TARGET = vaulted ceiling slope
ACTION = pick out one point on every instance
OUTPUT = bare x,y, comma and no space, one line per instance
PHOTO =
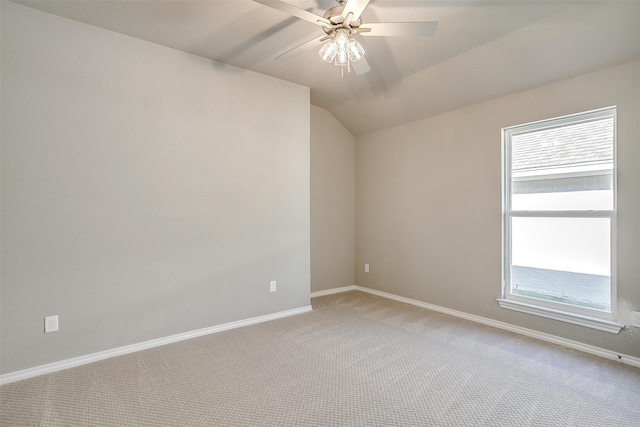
482,49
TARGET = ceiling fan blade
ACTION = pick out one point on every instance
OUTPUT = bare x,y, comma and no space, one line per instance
356,7
361,66
315,42
423,29
296,11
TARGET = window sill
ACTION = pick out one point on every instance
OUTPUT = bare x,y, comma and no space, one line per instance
563,316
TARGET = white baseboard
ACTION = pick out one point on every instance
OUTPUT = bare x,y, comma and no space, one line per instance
90,358
586,348
333,291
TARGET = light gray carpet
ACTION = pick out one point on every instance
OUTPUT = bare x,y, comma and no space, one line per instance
357,359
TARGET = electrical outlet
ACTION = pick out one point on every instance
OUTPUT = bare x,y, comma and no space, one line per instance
272,286
635,318
50,324
366,268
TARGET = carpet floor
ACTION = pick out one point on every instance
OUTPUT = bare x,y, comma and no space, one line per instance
355,360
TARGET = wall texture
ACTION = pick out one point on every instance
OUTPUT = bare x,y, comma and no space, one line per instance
145,191
333,203
428,202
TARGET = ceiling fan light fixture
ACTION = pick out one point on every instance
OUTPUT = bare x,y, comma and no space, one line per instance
341,49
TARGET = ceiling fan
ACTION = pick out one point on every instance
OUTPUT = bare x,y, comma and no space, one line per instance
341,25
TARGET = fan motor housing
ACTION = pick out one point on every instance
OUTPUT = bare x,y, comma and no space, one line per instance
335,16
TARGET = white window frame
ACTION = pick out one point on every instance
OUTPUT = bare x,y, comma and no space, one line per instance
582,316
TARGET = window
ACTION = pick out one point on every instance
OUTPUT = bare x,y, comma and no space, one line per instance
559,198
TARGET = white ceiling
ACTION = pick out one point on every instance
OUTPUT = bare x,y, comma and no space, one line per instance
482,49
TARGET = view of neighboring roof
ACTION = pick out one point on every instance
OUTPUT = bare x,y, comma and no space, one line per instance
582,144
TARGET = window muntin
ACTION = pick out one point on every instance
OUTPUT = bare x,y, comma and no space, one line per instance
559,213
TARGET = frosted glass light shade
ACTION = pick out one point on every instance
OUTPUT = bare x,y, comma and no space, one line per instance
355,50
328,51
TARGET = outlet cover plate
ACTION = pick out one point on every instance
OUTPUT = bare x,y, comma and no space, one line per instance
272,286
635,319
50,324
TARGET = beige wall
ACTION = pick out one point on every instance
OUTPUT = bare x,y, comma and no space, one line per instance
333,202
429,206
145,191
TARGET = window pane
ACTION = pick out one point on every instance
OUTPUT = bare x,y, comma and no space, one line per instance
563,168
562,259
